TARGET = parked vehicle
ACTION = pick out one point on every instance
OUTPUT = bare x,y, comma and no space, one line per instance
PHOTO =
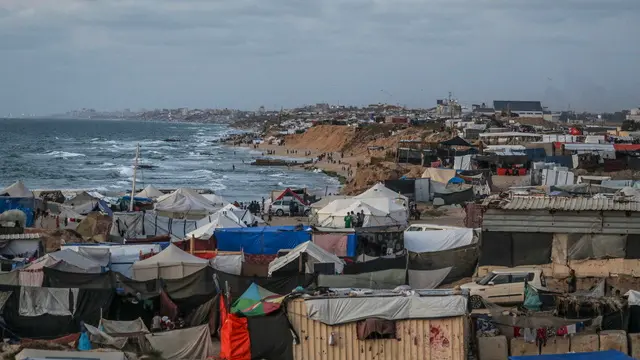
282,208
504,286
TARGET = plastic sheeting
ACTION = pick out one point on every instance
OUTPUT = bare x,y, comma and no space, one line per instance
230,264
265,240
192,343
11,278
29,354
335,311
278,285
36,301
592,246
515,249
427,279
438,240
149,224
462,262
55,278
123,327
315,254
383,279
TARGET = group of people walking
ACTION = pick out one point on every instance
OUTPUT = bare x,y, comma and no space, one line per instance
354,220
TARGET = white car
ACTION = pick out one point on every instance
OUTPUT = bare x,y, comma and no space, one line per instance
505,286
281,207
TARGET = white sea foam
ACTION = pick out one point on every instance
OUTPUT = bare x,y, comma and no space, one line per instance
63,154
126,171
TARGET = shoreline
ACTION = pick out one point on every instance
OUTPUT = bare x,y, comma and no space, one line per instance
344,169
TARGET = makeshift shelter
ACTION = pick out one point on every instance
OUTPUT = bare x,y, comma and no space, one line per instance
377,211
290,193
594,355
149,192
314,255
456,141
63,260
16,190
191,343
185,204
136,225
265,240
36,354
216,221
439,175
255,336
170,263
380,191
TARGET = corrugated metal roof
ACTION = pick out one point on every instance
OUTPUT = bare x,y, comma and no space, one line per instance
562,203
21,236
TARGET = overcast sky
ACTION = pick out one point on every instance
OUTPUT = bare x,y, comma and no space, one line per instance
58,55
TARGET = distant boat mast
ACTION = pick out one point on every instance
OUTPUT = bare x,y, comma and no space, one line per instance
135,168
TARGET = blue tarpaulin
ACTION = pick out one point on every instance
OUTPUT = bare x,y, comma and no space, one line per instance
536,154
596,355
264,240
566,161
26,205
352,243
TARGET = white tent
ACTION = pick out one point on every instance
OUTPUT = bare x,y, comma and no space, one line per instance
216,200
170,263
379,190
150,192
17,190
315,254
216,221
185,203
377,211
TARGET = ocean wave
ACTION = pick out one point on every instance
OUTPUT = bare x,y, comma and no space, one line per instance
63,154
126,171
280,175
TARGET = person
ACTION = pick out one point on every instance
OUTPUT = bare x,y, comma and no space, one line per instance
572,281
347,221
156,323
233,167
263,203
360,218
270,213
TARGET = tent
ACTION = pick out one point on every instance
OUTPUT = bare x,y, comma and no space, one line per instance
380,191
34,354
439,175
149,192
256,301
67,260
594,355
170,263
16,190
431,238
185,203
217,220
191,343
315,254
377,211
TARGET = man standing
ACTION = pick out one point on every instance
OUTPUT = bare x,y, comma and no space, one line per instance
347,221
572,282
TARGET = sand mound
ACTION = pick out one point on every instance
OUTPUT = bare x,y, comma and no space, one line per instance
328,138
369,175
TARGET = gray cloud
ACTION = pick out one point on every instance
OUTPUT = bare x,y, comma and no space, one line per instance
246,53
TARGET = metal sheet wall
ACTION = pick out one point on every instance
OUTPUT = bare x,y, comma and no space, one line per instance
437,339
564,222
423,190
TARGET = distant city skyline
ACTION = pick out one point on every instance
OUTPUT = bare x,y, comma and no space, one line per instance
69,54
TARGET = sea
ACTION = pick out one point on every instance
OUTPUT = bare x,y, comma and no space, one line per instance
99,155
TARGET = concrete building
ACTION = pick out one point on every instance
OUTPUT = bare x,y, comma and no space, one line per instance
634,115
522,108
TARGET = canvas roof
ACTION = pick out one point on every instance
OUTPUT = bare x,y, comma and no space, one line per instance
172,255
439,175
17,190
327,200
216,221
312,250
379,190
185,200
150,192
66,260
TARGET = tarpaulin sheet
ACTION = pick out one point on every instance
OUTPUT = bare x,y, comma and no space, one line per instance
398,262
261,240
146,289
438,240
235,343
462,261
144,224
427,279
496,249
97,336
596,355
61,279
198,283
192,343
278,285
375,242
531,248
28,354
98,254
597,246
87,308
231,264
334,243
123,327
335,311
383,279
10,278
456,197
270,337
35,301
206,313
